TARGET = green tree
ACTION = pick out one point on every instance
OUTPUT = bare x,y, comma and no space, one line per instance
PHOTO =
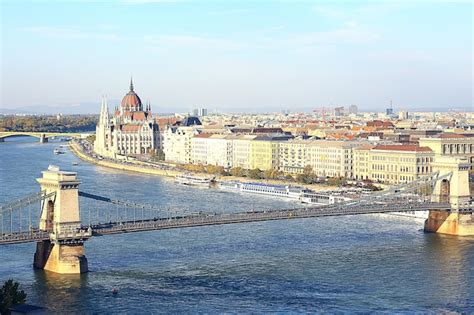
10,295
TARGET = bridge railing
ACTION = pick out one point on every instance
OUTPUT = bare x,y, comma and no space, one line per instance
252,216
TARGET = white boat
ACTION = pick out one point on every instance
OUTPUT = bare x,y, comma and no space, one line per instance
313,197
230,185
420,215
296,193
193,180
58,151
271,190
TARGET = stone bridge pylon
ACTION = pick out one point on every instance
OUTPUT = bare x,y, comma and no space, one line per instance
60,217
456,191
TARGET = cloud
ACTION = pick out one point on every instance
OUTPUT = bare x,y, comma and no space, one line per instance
329,11
190,41
69,33
132,2
228,11
350,33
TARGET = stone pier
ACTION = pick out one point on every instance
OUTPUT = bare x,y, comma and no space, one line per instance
64,252
456,191
43,138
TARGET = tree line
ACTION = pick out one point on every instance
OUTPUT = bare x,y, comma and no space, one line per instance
70,123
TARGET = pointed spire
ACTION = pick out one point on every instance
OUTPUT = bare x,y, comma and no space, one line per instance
131,84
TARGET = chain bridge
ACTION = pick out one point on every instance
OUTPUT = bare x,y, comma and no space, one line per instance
60,218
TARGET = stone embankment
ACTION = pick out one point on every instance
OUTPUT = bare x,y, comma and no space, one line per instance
75,148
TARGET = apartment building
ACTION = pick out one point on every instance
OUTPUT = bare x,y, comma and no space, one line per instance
242,151
392,163
211,149
332,158
177,140
326,157
265,151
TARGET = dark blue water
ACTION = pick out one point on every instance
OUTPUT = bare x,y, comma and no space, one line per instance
351,264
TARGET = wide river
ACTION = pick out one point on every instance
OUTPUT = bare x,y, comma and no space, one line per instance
367,263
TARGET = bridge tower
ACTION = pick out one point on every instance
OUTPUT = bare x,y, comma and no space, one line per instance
456,191
64,252
43,138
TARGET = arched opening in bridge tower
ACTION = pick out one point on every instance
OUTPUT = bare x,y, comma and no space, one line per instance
445,191
49,216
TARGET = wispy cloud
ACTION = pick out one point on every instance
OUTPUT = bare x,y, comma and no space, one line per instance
190,41
229,11
69,33
131,2
350,33
363,10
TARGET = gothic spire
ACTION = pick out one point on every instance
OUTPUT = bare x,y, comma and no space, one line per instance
131,84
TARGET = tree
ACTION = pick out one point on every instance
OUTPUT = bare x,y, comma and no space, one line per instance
308,170
237,171
10,296
91,139
271,174
159,155
308,176
215,169
255,173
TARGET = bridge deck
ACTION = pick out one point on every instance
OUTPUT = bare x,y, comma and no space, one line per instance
206,219
233,218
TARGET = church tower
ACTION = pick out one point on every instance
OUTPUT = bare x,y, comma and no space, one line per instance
102,129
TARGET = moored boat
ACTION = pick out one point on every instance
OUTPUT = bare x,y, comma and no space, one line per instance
193,180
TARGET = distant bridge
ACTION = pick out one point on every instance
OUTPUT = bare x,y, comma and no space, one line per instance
42,136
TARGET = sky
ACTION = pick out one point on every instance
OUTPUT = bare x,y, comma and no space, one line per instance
237,56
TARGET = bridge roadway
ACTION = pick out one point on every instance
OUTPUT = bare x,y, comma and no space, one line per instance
38,134
205,219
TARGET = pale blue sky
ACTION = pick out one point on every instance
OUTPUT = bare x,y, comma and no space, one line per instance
238,55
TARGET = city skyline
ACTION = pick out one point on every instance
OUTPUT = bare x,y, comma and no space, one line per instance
238,57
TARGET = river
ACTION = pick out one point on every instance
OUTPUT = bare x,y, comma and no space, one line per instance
369,263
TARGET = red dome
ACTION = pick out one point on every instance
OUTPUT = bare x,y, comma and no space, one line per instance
132,100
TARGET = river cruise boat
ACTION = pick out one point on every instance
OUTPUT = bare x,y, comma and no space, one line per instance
272,190
58,151
296,193
312,197
193,180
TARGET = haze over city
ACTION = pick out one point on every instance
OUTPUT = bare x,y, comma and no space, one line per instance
236,57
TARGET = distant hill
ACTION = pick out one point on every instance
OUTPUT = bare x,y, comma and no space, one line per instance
81,108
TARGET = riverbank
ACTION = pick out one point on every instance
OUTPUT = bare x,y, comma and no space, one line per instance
74,147
143,168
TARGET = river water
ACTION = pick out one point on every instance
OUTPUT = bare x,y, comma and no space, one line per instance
364,263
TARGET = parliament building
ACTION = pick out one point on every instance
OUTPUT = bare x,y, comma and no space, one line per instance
131,130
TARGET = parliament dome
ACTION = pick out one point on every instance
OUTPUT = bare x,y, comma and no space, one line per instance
131,100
